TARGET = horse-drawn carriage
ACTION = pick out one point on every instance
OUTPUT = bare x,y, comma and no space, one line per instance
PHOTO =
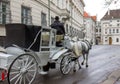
31,49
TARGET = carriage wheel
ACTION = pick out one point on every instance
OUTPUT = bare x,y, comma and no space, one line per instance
65,65
22,70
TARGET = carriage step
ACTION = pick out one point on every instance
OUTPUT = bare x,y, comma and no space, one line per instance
43,72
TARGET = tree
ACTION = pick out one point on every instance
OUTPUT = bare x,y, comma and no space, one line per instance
109,2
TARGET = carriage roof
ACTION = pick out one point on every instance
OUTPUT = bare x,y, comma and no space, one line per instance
22,35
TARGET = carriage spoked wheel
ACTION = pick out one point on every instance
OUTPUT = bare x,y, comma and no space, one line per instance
65,65
22,70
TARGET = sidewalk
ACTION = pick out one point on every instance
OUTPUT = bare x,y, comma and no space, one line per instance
112,78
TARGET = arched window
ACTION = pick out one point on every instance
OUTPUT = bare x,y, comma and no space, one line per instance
117,39
117,30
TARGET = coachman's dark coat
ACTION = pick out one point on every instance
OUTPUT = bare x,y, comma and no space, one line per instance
59,27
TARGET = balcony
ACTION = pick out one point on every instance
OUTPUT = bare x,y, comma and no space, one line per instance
65,14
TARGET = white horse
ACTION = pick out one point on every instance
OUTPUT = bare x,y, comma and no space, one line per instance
79,47
86,46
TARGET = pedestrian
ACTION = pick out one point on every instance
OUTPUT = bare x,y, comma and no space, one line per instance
60,31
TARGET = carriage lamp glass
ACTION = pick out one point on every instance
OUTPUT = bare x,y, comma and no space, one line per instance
45,37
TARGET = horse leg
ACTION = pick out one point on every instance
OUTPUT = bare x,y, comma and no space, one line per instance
79,64
87,59
76,64
74,68
83,59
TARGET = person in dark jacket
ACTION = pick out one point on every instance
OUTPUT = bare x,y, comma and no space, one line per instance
60,30
58,26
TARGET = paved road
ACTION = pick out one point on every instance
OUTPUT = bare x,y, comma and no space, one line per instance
103,60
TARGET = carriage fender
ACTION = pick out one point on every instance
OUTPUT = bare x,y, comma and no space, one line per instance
59,53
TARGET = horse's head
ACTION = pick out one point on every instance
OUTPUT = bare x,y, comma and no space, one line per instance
89,42
74,39
68,43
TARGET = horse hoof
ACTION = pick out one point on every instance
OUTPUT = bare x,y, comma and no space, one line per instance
86,65
82,63
74,70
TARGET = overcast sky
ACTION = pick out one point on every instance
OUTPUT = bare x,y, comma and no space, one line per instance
97,7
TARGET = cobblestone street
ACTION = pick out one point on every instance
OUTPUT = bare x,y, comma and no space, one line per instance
104,60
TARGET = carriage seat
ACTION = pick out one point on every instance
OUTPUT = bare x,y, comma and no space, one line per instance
59,40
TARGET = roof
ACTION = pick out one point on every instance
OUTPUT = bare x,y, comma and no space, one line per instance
111,14
86,15
94,18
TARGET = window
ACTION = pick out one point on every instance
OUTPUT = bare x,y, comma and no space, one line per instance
117,31
105,25
96,30
26,15
71,29
70,32
43,19
105,40
66,29
4,12
100,30
110,24
105,31
52,20
113,30
45,37
109,31
118,24
117,39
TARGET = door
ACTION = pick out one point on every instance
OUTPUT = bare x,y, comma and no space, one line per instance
110,40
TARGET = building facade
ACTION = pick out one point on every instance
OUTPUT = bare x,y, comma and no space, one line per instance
110,26
90,27
98,32
42,12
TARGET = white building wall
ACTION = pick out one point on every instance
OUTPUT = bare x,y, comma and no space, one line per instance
90,29
2,30
36,9
74,9
15,7
114,40
109,29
